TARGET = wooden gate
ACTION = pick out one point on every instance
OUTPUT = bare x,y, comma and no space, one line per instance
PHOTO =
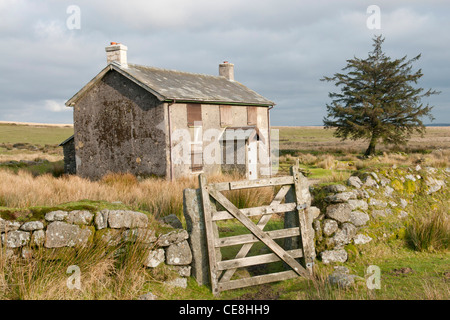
222,271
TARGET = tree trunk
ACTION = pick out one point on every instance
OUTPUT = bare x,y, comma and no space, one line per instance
371,149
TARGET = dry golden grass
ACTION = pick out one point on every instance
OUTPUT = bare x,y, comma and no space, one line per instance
111,273
439,158
156,195
22,190
329,162
322,140
30,156
432,292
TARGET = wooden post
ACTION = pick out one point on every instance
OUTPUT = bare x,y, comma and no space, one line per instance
300,182
209,233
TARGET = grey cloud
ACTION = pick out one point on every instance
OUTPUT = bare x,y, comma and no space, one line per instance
280,48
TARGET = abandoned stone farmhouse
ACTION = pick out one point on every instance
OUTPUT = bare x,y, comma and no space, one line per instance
156,122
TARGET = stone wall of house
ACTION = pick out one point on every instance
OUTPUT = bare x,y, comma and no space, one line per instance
63,229
70,166
119,127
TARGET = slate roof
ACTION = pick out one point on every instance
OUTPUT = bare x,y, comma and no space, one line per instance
172,85
66,141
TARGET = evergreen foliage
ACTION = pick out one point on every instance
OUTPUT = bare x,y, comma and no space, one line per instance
377,100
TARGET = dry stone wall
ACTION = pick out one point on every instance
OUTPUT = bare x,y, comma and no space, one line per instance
76,228
347,210
337,215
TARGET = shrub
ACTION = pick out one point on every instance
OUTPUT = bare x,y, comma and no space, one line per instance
429,232
327,163
307,159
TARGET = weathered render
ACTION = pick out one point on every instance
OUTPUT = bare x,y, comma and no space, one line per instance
132,118
114,130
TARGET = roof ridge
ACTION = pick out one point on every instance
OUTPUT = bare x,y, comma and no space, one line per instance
178,71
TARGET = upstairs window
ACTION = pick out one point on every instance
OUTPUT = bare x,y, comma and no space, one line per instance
194,114
252,116
226,116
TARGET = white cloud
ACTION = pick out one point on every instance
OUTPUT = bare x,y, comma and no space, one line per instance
55,106
53,29
404,22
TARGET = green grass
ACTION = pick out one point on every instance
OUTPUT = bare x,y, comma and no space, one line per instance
36,135
429,279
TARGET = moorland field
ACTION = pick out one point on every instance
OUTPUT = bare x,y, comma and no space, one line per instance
32,181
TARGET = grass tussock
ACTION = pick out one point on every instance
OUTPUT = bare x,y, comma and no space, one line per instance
253,197
105,272
429,232
428,226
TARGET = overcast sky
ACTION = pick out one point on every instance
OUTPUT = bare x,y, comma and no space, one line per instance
280,48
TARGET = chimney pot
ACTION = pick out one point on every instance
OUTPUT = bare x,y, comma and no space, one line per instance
117,52
226,70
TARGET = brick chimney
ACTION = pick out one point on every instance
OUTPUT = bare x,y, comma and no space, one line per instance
226,70
117,52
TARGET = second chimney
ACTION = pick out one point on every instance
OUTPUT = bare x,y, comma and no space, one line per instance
117,52
226,70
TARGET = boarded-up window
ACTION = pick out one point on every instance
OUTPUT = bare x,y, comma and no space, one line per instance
252,116
194,114
226,116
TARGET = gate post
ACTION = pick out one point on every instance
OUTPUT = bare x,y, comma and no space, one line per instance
195,225
210,234
303,200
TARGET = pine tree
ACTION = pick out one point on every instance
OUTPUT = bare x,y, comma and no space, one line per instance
377,100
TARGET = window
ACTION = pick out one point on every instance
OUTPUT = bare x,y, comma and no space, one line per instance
196,157
252,116
194,114
196,148
226,116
